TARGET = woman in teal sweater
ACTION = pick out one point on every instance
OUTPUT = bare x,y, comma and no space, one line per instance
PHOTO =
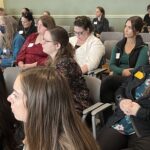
128,54
131,52
122,62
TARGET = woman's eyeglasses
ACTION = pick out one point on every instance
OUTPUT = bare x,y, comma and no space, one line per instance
47,41
78,33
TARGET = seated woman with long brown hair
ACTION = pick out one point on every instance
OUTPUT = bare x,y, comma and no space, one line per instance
61,55
43,101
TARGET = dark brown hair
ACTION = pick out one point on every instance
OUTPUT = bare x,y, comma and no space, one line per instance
102,10
2,9
136,22
52,123
83,22
26,9
148,7
28,16
60,35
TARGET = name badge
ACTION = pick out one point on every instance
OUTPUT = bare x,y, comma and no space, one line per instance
147,82
31,44
20,32
4,50
139,75
95,22
117,55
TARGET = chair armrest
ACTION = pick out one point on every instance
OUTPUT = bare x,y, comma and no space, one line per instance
94,112
96,71
89,109
101,108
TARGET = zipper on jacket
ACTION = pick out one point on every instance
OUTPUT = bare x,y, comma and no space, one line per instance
134,127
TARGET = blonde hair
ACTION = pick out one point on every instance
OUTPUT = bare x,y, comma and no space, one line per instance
11,29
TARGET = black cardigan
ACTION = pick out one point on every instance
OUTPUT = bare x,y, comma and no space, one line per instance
140,122
135,52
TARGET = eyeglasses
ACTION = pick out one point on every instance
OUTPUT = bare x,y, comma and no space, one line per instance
47,41
78,33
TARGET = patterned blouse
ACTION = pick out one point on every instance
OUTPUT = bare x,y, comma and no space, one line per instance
71,70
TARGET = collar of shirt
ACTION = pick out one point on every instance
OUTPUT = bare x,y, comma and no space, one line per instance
99,18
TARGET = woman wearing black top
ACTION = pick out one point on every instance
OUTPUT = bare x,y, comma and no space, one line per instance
27,25
7,141
129,126
100,23
147,18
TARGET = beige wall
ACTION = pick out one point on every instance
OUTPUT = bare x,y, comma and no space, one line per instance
1,3
64,11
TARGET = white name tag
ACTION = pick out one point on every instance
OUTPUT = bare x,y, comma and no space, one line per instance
95,22
20,32
4,50
117,55
147,82
31,44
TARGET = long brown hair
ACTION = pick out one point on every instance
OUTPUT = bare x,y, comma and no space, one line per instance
60,35
136,23
52,123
